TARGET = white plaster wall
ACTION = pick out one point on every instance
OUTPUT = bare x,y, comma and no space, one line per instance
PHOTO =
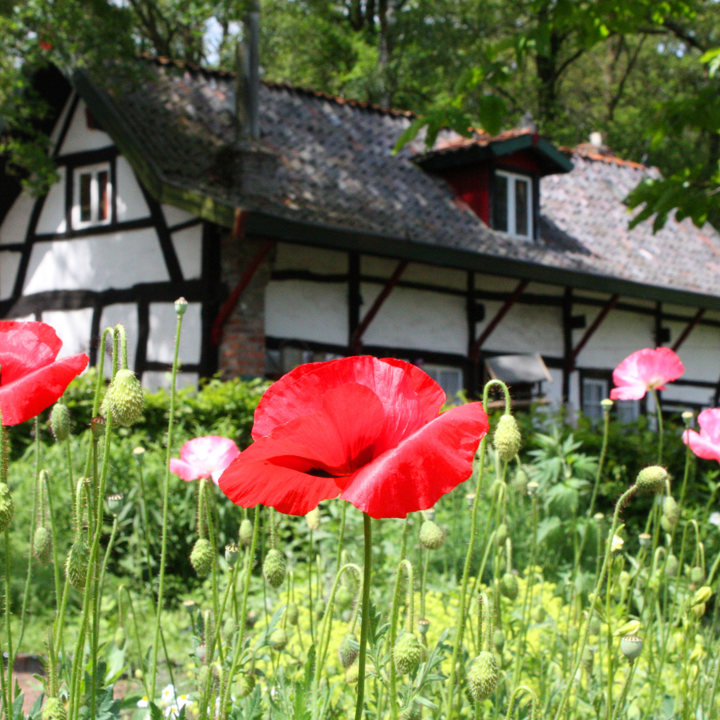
52,217
9,262
118,260
80,137
73,328
153,380
188,247
524,329
123,314
700,352
620,334
175,216
553,390
414,272
301,257
14,227
307,311
131,203
416,319
161,340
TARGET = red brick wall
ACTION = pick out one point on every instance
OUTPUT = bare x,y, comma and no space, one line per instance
242,349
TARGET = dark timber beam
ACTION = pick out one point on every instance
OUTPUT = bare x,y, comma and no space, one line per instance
356,338
499,315
688,329
611,303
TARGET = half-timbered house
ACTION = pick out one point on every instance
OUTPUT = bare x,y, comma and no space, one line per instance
296,233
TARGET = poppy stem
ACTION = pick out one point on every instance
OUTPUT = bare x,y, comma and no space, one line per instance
658,410
365,624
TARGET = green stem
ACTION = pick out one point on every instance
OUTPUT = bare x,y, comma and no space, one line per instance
165,509
661,436
365,619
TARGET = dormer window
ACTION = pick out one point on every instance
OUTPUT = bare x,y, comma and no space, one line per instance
512,204
92,196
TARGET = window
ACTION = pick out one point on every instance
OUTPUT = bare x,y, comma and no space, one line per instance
93,195
595,390
512,204
448,378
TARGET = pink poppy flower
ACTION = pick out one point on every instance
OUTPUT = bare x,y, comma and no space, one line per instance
645,370
364,429
706,443
204,457
31,379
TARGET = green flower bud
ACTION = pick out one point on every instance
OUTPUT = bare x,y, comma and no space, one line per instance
483,676
407,653
652,480
232,552
509,586
123,400
671,511
414,712
499,640
292,613
7,507
702,595
343,597
53,709
278,639
42,544
181,306
533,489
201,652
348,650
587,660
672,566
352,674
274,568
246,684
423,625
645,540
520,480
119,637
631,647
431,535
501,534
60,421
246,533
115,503
539,614
202,556
76,564
697,576
507,438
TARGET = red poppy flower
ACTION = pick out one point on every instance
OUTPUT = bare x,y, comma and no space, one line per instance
30,378
364,429
204,457
645,370
706,443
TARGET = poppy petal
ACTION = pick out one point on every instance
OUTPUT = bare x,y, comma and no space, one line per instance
32,393
422,468
709,422
182,470
628,392
701,446
24,347
409,394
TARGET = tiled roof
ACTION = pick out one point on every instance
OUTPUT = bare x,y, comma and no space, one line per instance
333,166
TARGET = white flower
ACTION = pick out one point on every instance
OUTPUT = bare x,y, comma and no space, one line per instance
715,519
616,544
145,702
167,696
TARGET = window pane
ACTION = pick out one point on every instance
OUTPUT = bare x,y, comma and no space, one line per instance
522,195
103,195
85,197
500,207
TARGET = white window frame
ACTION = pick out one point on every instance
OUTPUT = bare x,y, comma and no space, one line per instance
94,171
512,179
593,409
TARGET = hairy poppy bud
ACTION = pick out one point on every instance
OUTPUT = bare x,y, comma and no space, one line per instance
274,568
119,637
53,709
246,684
313,519
76,564
292,613
431,535
697,576
232,553
60,421
507,438
652,480
6,507
671,566
202,556
246,533
407,653
501,534
499,640
278,639
42,544
348,650
124,401
587,660
509,586
631,647
483,676
671,511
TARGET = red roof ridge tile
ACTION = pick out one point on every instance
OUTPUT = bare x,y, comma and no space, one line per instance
602,156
